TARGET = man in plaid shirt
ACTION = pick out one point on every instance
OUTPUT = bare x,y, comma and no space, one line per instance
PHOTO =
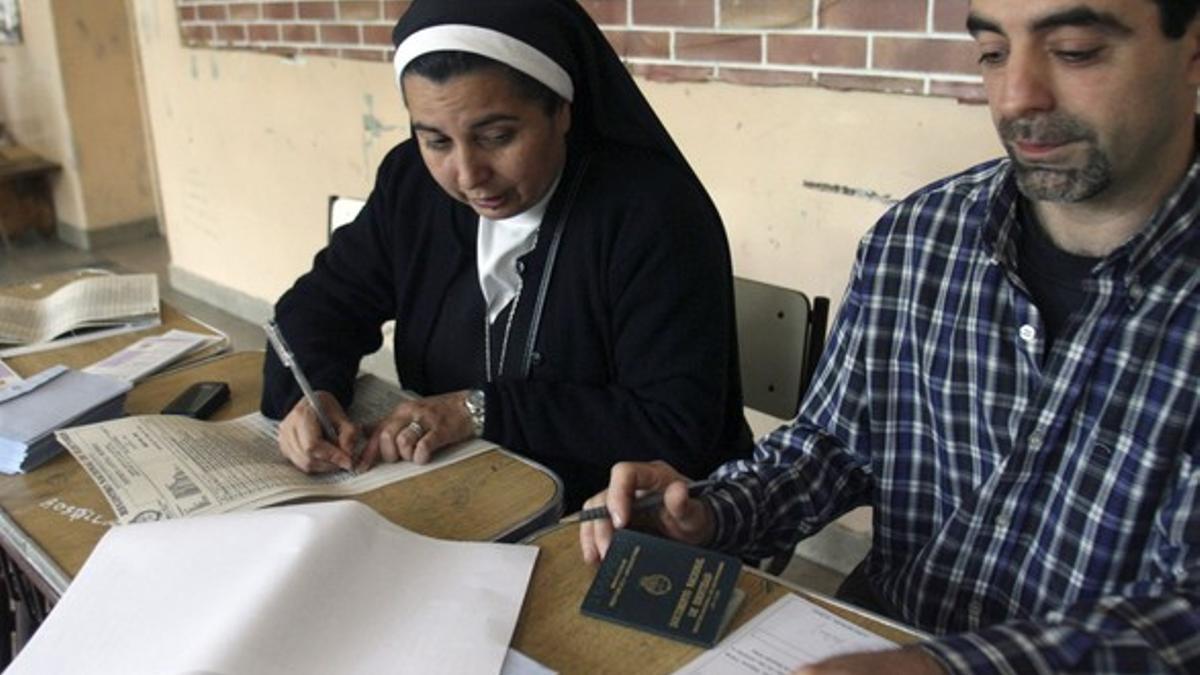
1011,381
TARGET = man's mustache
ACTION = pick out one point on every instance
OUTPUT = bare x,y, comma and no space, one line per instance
1049,129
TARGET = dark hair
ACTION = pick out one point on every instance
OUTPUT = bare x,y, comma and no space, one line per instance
441,66
1176,15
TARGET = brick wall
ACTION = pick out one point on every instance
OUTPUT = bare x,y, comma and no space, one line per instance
901,46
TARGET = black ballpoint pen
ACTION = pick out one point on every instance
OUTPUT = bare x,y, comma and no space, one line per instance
643,503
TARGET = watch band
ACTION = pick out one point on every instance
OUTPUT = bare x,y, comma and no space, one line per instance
476,404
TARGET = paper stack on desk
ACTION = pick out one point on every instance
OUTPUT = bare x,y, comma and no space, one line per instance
87,308
32,409
316,588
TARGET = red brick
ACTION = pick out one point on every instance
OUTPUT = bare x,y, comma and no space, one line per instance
766,14
606,12
891,85
925,55
765,78
377,35
668,73
197,34
360,10
364,54
279,10
211,12
718,47
244,11
264,32
320,51
683,13
874,14
340,33
187,13
640,43
818,50
231,33
316,9
971,93
950,16
392,9
298,33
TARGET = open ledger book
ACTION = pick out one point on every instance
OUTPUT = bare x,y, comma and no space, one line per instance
154,467
87,308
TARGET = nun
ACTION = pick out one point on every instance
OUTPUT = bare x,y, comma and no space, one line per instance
560,279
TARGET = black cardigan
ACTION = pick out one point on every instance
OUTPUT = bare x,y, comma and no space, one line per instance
634,355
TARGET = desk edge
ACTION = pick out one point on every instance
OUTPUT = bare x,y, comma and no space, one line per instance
33,555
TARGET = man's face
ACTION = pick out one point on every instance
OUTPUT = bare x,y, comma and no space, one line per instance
1087,95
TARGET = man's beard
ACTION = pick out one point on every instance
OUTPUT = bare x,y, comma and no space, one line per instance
1057,183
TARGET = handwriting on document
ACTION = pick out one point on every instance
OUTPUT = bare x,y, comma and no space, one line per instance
791,633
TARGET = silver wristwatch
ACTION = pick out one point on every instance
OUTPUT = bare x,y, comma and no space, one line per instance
476,403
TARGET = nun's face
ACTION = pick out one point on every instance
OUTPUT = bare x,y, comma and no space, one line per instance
485,144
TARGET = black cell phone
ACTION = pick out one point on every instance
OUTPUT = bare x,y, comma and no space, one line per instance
199,400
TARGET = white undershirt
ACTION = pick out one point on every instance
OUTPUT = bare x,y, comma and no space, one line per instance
499,244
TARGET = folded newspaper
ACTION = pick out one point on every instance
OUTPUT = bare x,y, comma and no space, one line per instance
155,467
88,308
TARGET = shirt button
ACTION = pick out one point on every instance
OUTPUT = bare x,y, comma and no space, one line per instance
1035,440
975,609
1003,520
520,267
1028,333
536,358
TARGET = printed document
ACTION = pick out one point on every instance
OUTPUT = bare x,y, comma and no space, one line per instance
791,633
329,587
155,353
118,302
154,467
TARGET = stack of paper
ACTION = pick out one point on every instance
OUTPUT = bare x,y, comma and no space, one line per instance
85,309
316,588
31,410
157,353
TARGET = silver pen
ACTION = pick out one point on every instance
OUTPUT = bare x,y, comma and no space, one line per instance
275,337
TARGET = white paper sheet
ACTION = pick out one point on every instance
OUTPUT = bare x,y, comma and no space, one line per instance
154,467
791,633
315,588
88,302
152,354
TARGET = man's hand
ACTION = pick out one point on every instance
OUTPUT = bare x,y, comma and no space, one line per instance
415,430
680,517
301,440
907,661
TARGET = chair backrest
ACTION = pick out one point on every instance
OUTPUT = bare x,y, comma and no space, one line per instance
780,338
342,211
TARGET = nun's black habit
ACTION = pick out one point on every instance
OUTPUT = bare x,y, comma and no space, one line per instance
623,345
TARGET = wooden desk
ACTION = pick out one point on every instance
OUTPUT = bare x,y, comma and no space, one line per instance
86,353
58,509
552,631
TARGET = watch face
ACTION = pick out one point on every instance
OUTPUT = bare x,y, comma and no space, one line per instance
476,400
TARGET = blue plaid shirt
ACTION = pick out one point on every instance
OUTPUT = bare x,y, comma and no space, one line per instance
1036,511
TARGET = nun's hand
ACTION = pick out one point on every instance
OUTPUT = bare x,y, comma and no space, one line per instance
415,430
301,440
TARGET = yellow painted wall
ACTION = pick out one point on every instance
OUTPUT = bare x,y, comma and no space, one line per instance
100,82
33,104
69,92
249,146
